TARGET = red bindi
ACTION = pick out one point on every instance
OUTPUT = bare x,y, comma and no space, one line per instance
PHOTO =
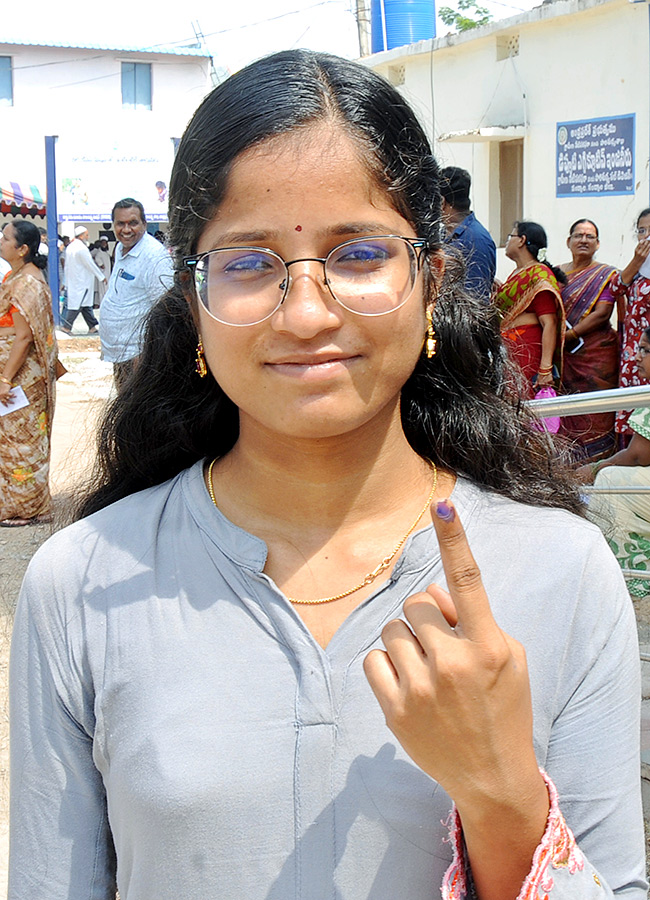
298,227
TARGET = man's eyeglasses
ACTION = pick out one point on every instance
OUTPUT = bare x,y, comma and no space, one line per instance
369,276
581,236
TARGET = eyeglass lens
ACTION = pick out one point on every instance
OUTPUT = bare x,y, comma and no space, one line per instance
642,232
582,236
245,285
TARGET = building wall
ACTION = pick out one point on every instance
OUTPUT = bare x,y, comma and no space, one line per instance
577,59
76,94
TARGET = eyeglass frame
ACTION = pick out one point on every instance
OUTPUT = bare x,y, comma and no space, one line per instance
580,235
642,232
642,351
420,247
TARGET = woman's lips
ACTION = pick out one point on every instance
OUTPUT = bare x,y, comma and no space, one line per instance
303,365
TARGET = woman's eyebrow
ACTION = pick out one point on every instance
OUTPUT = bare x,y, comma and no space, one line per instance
243,238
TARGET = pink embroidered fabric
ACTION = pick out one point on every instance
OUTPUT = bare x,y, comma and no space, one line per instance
556,850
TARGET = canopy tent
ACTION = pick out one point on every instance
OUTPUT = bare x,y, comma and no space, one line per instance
20,200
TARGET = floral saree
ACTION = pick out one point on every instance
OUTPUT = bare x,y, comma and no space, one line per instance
25,433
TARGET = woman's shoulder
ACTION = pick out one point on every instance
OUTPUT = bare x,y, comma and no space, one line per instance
113,538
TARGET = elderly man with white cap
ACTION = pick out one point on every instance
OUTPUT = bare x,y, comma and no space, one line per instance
80,275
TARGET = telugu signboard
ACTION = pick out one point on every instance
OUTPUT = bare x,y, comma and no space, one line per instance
91,177
595,157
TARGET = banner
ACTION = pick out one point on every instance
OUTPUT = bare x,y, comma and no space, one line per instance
595,157
93,175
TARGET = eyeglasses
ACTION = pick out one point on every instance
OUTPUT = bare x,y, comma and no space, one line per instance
582,236
642,351
512,234
642,232
369,276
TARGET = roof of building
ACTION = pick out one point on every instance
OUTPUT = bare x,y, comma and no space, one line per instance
156,48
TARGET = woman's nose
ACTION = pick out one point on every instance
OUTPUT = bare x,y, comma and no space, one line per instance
308,306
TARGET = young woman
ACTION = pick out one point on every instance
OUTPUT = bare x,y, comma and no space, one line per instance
632,287
529,301
590,345
27,360
315,412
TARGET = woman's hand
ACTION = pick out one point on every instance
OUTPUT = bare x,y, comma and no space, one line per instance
455,692
5,390
641,253
543,380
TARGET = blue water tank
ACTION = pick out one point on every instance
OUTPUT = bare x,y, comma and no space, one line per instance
398,22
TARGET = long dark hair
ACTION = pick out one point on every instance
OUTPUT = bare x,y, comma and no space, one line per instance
536,240
28,235
457,408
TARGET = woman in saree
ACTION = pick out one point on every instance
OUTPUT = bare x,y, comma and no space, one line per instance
632,286
27,361
529,301
590,344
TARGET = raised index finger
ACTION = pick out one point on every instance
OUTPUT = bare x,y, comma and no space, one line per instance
464,582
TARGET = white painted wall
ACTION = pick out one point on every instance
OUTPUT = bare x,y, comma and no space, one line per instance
76,93
578,59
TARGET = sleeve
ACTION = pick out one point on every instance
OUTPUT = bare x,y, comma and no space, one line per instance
61,845
593,846
160,274
544,304
90,265
639,421
618,289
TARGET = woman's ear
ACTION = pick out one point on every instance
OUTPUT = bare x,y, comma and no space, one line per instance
186,283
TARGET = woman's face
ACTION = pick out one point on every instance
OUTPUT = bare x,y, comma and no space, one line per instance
513,243
583,242
9,249
643,228
643,358
312,369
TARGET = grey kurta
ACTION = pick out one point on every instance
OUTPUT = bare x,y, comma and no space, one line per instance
160,682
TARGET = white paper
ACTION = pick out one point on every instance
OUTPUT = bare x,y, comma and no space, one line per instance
17,400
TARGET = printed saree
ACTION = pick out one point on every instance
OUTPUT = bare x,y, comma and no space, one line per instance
513,298
25,433
594,367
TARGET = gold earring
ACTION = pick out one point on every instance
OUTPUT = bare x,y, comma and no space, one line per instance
431,341
201,368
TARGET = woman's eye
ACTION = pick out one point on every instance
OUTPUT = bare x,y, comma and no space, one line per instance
362,253
251,263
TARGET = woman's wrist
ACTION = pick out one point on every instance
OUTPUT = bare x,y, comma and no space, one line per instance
5,380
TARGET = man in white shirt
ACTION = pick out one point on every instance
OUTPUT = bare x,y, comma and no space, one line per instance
80,275
142,272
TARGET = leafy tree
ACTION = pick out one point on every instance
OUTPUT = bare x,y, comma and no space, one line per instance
462,22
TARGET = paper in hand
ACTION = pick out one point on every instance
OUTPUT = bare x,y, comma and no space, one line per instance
17,400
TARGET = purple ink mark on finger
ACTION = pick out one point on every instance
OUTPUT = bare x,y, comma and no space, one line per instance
445,511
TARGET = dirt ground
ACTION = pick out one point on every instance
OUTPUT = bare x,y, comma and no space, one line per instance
81,396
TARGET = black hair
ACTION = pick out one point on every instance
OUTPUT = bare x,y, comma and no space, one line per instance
583,222
127,203
28,235
455,184
458,408
642,215
536,240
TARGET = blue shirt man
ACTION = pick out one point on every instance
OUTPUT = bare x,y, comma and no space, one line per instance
466,234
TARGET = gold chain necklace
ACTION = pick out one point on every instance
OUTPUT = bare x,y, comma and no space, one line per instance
381,567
